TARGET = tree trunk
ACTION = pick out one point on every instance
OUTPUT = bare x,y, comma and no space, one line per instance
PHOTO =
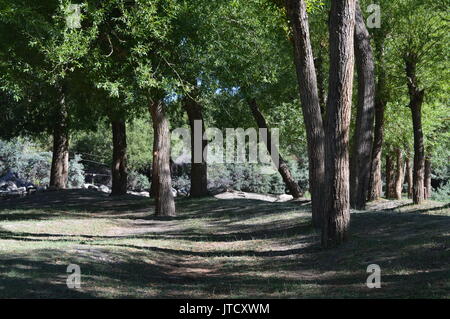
199,169
362,151
409,177
119,166
337,210
428,188
59,171
390,177
307,80
399,175
161,178
415,104
319,65
375,181
154,178
283,168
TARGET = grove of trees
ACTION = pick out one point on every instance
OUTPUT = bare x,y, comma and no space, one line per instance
358,89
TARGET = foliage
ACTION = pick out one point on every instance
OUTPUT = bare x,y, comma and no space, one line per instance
76,172
254,178
32,164
138,182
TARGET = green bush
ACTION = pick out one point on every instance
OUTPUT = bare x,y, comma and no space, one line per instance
442,194
33,165
254,178
76,172
138,182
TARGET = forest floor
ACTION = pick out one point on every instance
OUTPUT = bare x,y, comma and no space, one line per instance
216,248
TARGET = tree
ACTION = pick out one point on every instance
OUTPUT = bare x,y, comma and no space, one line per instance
119,170
399,176
362,151
309,96
337,203
161,177
415,50
48,50
59,171
283,169
199,169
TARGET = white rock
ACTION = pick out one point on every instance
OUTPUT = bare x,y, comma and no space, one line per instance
104,189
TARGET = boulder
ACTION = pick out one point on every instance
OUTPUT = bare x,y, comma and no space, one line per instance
183,192
144,194
104,189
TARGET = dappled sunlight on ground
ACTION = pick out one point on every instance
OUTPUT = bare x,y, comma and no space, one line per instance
216,248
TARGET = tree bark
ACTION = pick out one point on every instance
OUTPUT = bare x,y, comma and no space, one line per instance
283,168
307,80
399,175
161,178
199,168
319,65
154,178
390,177
428,188
337,210
59,171
409,177
362,151
375,181
416,96
119,166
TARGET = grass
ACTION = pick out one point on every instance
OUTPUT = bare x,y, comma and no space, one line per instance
216,249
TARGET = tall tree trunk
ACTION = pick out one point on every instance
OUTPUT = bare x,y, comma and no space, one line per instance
199,169
161,178
319,65
399,174
390,177
154,178
375,181
119,165
283,168
409,176
361,158
337,210
415,104
307,80
428,188
59,171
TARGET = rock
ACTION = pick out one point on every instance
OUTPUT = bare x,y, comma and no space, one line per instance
10,186
183,192
22,189
104,189
144,194
12,177
284,198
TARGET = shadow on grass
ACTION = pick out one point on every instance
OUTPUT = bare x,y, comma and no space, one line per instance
411,248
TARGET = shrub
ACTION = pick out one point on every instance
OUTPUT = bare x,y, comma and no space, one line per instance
30,164
442,194
22,157
76,172
138,182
